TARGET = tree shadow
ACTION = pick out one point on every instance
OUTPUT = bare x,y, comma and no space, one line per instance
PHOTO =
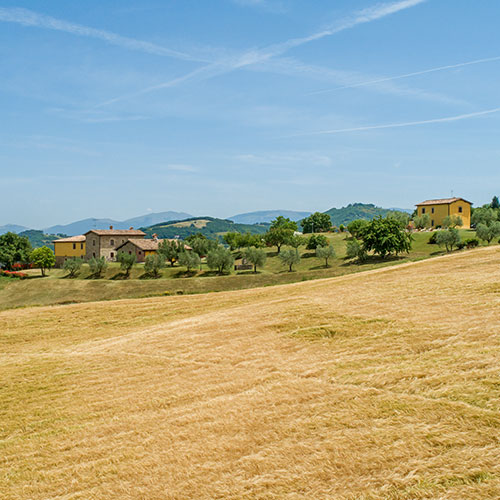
121,275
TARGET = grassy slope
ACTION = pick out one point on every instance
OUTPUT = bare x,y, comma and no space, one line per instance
380,385
55,290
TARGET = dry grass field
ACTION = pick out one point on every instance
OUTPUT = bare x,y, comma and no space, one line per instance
377,385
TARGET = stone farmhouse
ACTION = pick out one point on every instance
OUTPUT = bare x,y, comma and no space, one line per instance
103,242
107,243
439,209
143,248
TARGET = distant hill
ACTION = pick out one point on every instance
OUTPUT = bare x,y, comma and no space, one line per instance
82,226
12,228
40,239
264,216
355,211
209,226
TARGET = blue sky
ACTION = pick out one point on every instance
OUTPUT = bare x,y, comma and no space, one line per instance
117,108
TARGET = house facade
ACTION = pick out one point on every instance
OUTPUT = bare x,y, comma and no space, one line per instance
143,248
69,248
441,208
104,242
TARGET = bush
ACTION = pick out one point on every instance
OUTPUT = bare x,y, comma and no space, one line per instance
317,240
488,233
354,250
73,266
471,243
13,274
422,221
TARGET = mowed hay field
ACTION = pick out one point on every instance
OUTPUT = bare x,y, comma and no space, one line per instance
377,385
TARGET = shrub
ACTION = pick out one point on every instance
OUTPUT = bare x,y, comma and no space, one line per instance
316,240
355,250
471,243
453,221
127,261
422,221
488,233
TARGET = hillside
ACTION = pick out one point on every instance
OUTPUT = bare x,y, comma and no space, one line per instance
266,216
82,226
208,226
325,389
12,228
40,239
355,211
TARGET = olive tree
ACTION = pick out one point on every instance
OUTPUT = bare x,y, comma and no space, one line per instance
451,221
98,266
189,259
325,253
488,233
73,266
220,259
127,261
256,256
449,238
422,221
289,258
154,264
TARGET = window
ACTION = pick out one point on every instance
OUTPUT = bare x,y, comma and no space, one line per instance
123,241
432,222
112,243
81,246
432,209
423,210
93,244
74,246
93,255
460,210
112,254
130,252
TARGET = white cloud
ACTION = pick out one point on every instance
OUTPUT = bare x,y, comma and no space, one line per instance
181,167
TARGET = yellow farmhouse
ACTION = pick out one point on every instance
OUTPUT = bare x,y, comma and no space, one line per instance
439,209
67,248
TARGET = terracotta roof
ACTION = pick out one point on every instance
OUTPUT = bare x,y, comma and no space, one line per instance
71,239
442,201
116,232
149,244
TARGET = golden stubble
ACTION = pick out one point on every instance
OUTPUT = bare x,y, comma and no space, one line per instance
381,385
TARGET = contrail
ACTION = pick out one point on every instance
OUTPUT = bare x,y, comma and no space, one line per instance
407,124
408,75
27,17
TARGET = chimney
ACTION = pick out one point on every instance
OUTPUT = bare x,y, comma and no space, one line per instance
155,237
130,228
110,227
